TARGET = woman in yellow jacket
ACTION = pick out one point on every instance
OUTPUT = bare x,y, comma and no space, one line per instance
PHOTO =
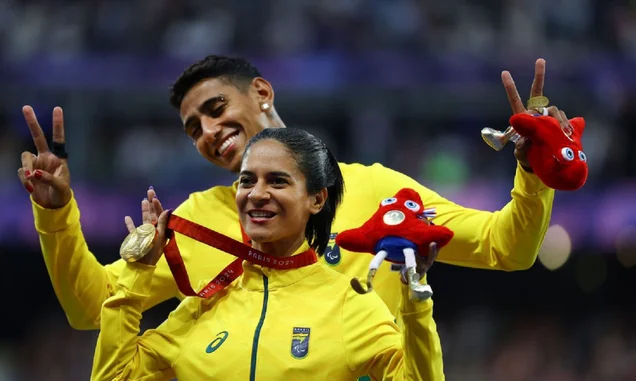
299,324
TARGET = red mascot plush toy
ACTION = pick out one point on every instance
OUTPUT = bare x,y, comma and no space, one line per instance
556,154
398,231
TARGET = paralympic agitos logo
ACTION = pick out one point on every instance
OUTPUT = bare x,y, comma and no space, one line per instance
332,254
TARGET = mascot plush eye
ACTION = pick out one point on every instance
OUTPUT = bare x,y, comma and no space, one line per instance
412,205
567,153
388,201
582,156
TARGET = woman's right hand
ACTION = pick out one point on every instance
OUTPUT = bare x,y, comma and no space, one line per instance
45,176
152,213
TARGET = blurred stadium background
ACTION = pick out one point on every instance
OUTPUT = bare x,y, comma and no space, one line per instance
407,83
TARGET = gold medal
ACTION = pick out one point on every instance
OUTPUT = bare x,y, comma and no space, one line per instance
393,217
138,243
536,103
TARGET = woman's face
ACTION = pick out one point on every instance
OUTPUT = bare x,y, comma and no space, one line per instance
272,198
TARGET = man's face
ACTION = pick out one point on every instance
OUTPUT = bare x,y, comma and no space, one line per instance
220,119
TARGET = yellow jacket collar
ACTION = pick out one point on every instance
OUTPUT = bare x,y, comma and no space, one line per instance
252,278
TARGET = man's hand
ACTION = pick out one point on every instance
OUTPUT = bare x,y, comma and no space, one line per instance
45,175
516,103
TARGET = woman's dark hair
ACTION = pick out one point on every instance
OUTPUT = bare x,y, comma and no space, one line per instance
321,170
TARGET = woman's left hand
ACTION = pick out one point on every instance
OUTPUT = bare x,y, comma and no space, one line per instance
424,263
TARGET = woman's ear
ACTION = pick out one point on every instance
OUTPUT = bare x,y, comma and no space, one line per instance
318,201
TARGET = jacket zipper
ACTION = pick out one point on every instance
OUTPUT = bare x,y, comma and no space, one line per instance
257,333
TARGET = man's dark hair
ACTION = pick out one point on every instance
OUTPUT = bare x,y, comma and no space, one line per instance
238,71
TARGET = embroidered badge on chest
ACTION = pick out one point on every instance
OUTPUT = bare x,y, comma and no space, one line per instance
332,254
300,342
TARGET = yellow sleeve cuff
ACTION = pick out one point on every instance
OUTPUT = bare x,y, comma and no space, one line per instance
49,221
136,280
409,307
527,183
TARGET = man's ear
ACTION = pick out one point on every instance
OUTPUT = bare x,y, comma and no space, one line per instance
264,90
318,201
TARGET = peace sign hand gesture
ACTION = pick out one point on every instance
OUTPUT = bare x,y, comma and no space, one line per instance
516,103
46,175
522,145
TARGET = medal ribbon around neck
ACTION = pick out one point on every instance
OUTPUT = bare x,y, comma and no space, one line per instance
241,250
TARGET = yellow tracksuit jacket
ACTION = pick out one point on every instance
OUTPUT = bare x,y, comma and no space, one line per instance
508,239
301,324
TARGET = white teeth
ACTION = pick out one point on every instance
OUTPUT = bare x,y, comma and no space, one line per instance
261,214
227,143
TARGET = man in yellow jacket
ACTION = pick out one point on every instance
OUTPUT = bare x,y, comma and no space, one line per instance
223,102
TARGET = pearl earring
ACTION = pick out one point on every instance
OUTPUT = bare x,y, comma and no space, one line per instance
265,106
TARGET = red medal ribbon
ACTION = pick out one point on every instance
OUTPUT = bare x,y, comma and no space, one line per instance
242,251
